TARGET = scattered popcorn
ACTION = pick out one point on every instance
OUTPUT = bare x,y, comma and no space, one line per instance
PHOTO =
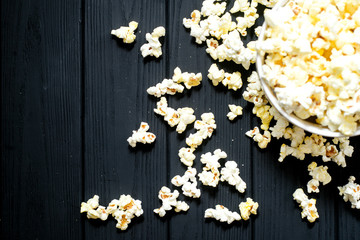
187,156
240,6
263,113
195,19
262,139
351,193
91,204
209,7
247,208
231,174
309,209
169,200
153,47
231,80
188,183
249,18
126,33
128,208
210,175
311,61
319,174
123,210
222,214
254,92
205,128
180,117
234,111
93,209
216,75
167,86
189,79
141,135
258,30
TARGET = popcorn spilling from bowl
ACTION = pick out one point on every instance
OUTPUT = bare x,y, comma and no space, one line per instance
311,54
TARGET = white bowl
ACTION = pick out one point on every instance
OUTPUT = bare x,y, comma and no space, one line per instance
306,125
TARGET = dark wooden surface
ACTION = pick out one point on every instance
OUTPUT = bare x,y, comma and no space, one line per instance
70,96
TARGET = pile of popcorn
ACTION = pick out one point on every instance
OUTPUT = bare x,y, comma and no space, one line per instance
312,52
313,72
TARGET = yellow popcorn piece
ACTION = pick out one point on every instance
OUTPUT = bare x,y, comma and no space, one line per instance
189,79
247,208
210,7
262,112
126,33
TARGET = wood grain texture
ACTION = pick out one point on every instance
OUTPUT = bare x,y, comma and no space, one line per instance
41,141
116,79
71,94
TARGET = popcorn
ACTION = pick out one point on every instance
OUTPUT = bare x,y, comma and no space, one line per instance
215,74
187,156
169,200
247,208
234,111
180,117
231,80
222,214
263,113
210,175
250,16
141,135
91,204
167,86
123,210
189,79
231,174
309,209
351,193
220,26
310,62
240,6
319,174
126,33
209,7
188,183
153,47
93,209
262,139
258,30
254,92
195,19
204,128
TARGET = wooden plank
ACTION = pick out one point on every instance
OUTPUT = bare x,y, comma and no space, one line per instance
229,136
40,106
348,219
116,79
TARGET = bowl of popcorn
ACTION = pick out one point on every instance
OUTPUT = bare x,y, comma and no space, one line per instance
309,64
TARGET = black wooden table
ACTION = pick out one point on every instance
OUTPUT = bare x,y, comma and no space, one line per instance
70,96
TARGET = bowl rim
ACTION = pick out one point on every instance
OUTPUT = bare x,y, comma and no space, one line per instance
269,93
